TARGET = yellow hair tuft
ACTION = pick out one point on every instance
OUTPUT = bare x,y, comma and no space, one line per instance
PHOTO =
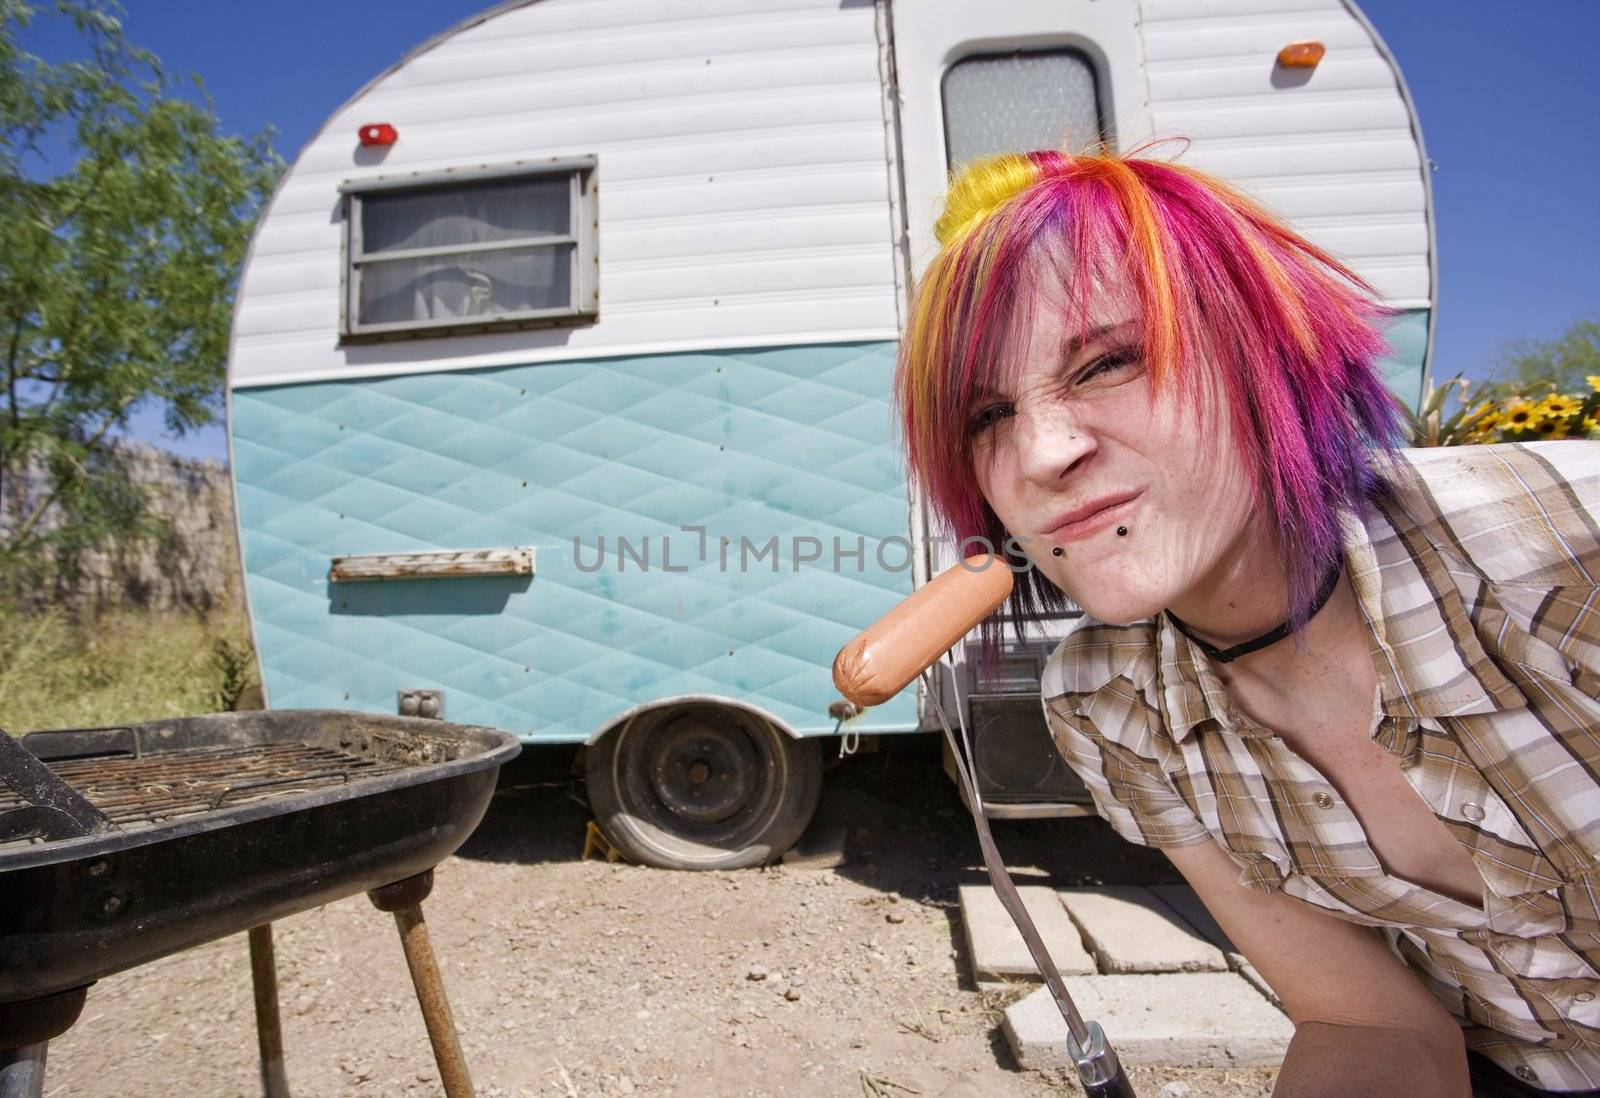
978,189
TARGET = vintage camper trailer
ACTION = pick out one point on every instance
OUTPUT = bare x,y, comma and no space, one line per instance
559,383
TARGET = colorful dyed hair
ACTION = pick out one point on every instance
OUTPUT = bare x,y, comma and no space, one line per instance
1290,328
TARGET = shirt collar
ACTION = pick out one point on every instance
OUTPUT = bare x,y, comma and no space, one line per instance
1429,660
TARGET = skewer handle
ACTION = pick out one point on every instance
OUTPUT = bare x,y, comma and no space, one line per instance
1098,1068
1115,1087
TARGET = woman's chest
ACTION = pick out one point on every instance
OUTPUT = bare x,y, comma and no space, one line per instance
1354,793
1396,821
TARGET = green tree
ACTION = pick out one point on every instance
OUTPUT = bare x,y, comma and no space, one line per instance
117,272
1561,364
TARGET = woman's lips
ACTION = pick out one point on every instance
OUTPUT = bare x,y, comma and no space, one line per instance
1082,528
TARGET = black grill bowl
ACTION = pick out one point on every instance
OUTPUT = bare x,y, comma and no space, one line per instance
74,910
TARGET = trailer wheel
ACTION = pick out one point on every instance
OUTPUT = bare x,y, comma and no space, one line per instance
702,786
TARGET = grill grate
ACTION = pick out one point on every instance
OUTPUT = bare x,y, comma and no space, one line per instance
141,792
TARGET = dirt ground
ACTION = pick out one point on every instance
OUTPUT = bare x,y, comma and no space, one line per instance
571,977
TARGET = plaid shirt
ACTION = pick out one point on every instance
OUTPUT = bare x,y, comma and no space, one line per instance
1479,579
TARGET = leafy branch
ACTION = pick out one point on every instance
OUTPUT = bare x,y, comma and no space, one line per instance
120,266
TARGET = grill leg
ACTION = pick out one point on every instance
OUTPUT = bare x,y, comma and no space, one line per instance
269,1031
22,1071
26,1030
404,899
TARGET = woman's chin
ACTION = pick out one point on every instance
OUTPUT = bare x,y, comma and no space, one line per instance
1125,610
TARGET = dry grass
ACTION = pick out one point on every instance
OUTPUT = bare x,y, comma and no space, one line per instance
59,672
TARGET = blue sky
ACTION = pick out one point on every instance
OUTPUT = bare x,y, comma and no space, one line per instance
1509,104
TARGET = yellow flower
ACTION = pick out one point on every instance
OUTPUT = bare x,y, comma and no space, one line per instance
1558,406
1594,381
1521,416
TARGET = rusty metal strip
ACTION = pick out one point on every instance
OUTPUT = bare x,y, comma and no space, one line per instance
470,562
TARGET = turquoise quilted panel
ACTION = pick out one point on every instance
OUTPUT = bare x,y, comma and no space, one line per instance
788,443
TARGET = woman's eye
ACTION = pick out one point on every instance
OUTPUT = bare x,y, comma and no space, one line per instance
986,417
1108,363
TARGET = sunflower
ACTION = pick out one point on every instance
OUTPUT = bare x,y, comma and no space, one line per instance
1557,406
1521,416
1594,381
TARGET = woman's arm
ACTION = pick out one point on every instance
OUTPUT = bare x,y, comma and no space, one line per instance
1364,1024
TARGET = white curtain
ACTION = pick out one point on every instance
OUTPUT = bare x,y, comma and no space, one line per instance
466,284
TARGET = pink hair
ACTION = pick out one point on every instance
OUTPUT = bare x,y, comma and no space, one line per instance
1291,329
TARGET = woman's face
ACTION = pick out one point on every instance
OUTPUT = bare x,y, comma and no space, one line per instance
1077,442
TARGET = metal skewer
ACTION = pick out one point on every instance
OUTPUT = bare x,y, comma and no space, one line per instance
1098,1068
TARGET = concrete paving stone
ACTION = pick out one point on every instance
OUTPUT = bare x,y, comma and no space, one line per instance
1183,900
995,944
1194,1019
1244,968
1130,930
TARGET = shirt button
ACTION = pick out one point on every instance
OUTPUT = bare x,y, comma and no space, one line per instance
1584,996
1472,811
1322,800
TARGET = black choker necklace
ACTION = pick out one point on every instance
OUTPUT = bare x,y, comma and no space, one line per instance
1272,636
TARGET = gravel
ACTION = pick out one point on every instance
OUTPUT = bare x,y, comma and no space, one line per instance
571,977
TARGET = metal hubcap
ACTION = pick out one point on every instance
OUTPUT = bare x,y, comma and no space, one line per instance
703,767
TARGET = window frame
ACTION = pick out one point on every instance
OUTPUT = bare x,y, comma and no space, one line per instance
583,235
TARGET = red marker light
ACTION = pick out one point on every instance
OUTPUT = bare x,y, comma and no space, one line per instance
379,133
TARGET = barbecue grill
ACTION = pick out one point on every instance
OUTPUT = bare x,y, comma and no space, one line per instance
122,845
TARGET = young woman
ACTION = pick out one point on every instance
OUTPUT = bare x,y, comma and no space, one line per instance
1351,690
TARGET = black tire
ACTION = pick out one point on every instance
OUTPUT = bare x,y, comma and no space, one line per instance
702,786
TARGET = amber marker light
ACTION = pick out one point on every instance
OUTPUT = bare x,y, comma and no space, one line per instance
1302,55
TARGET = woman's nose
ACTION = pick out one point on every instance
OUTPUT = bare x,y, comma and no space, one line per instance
1050,441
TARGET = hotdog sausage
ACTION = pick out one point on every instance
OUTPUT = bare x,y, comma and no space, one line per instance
896,648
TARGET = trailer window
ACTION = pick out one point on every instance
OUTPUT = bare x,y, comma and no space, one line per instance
1019,101
470,251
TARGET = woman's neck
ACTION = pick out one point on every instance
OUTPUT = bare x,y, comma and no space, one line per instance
1247,593
1243,595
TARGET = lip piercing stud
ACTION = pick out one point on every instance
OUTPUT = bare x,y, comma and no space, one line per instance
1122,531
1056,552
